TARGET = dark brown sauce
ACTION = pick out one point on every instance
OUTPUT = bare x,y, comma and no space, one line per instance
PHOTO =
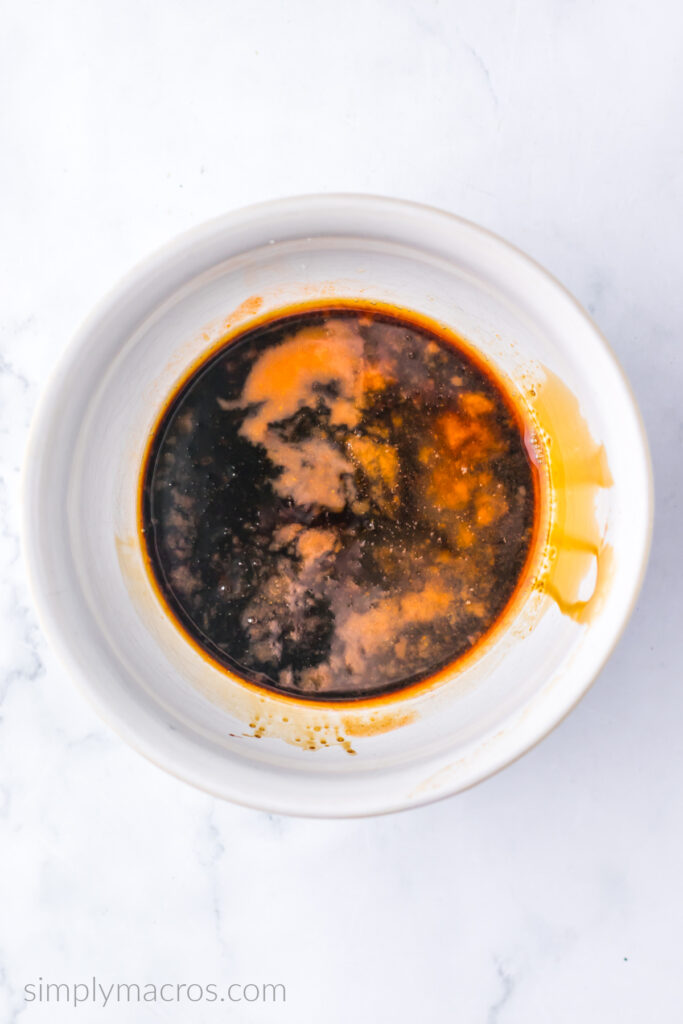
338,503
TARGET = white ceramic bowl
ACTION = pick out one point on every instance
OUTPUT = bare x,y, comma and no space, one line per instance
95,598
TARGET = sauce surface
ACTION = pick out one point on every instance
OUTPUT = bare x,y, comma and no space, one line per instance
338,503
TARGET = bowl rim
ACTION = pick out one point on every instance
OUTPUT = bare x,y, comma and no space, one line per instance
45,601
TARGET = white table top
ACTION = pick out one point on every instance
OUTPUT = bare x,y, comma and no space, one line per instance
549,893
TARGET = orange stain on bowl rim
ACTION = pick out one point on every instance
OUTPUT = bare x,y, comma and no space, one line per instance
578,474
247,309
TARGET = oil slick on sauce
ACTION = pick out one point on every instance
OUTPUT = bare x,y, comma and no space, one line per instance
339,504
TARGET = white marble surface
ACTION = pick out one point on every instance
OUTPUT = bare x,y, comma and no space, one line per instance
551,892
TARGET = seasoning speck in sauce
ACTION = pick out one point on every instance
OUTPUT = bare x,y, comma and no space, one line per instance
338,503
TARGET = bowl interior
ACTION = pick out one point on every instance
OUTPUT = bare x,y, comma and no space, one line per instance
82,506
